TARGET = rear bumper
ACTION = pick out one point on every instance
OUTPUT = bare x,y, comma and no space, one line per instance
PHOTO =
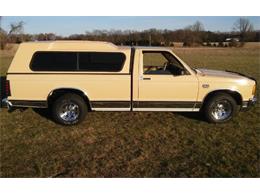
7,104
248,104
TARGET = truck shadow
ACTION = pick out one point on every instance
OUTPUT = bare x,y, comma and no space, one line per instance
44,112
192,115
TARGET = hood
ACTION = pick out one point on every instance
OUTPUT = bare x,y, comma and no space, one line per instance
220,73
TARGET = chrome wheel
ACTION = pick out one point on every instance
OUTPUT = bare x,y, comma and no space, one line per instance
69,112
221,110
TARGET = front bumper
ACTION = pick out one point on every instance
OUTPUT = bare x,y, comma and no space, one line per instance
248,104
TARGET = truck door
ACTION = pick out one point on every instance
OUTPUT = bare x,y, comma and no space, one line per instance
165,84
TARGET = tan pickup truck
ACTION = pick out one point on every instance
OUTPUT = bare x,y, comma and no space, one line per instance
74,77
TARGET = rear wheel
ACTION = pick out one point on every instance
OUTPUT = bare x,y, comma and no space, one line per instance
69,109
220,108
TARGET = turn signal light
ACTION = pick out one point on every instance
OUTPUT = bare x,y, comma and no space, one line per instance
254,90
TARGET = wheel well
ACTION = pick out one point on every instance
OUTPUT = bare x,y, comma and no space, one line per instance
237,96
55,94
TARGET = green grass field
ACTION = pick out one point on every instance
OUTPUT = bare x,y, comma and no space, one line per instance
144,144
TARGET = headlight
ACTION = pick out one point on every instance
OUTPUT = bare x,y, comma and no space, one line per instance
254,89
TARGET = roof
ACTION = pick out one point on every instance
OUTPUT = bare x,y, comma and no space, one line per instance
82,45
72,45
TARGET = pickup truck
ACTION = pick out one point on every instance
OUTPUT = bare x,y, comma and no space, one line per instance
74,77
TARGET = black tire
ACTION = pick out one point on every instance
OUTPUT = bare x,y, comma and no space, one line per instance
75,109
220,108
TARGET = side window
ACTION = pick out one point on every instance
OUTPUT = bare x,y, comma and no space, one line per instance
162,63
78,61
101,61
154,63
54,61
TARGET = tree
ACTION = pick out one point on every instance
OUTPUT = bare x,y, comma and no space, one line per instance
3,35
13,35
244,27
197,27
193,34
16,28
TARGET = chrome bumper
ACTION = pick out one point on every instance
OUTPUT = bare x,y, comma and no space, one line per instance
248,104
253,100
7,103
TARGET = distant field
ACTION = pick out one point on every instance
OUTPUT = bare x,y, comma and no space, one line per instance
255,45
144,144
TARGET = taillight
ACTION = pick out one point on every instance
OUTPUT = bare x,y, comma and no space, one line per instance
7,88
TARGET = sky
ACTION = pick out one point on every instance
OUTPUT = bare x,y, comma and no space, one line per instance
67,25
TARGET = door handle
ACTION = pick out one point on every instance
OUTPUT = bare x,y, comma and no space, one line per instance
146,78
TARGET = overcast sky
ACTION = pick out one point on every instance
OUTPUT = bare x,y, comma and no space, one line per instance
77,25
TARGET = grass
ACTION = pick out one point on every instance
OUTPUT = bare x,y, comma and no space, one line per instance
137,144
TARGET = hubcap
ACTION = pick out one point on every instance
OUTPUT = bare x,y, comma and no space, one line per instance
69,112
221,110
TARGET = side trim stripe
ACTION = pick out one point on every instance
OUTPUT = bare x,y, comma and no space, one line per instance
110,104
122,105
29,103
166,104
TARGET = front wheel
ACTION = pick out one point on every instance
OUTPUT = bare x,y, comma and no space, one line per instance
220,108
69,109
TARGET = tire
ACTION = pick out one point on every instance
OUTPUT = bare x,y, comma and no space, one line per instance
220,108
69,109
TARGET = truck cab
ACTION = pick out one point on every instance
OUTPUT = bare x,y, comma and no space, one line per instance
163,82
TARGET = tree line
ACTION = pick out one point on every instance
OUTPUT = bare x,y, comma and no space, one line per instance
193,35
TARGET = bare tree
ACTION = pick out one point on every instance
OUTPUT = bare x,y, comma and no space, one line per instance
243,26
15,33
193,34
196,27
16,28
